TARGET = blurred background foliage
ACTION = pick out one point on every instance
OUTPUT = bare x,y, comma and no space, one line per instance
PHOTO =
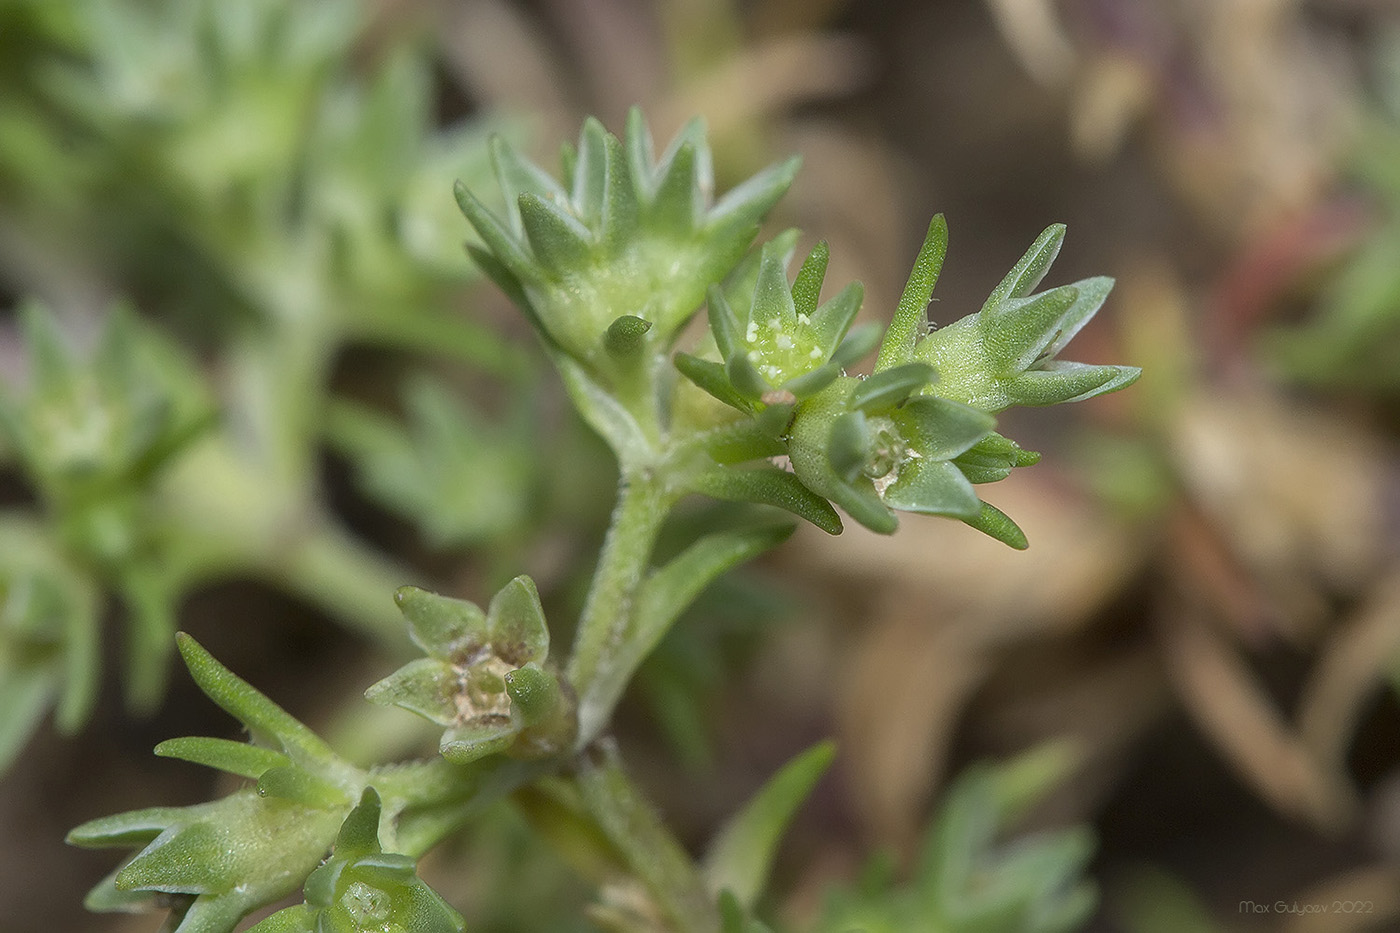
1208,618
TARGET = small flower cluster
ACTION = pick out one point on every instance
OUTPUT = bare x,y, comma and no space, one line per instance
483,678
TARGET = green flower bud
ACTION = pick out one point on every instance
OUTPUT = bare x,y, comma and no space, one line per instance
778,345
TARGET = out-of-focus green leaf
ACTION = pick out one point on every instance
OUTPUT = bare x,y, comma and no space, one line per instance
741,855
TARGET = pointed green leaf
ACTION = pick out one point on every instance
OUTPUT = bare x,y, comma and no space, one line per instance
807,287
193,860
604,413
560,243
769,486
909,318
568,162
1092,294
669,590
590,173
677,204
993,458
932,487
359,834
724,323
664,595
939,428
239,758
386,869
297,785
506,249
741,210
860,500
831,321
992,521
516,176
218,914
507,282
1029,269
742,278
741,856
425,686
105,898
641,160
856,345
475,740
683,181
711,377
442,626
889,387
772,297
126,830
1016,333
745,377
849,444
621,209
1061,381
518,630
810,383
742,441
267,721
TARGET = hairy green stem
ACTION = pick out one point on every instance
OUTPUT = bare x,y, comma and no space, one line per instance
652,853
607,621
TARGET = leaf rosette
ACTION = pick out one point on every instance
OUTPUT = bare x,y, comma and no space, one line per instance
620,254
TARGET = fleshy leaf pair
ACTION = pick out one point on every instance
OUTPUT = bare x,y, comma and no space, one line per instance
619,255
215,862
1005,354
483,678
362,889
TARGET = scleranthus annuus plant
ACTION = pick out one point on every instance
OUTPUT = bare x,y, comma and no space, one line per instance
609,265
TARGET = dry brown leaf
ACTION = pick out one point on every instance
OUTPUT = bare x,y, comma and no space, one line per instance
770,78
1109,97
1354,664
900,698
1363,899
1229,706
1033,30
501,57
1102,706
1293,490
